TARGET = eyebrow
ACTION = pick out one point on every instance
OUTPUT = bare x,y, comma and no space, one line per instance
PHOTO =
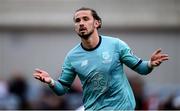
81,17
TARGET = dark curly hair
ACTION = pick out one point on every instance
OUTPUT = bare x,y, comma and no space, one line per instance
94,14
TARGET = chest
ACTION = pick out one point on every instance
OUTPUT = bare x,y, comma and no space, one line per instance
99,61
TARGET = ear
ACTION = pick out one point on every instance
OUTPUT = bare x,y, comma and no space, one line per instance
97,23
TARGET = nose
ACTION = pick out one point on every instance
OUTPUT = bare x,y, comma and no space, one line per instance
81,23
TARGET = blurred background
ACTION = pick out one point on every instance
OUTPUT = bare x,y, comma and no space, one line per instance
39,33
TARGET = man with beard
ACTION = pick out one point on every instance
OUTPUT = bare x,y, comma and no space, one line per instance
98,61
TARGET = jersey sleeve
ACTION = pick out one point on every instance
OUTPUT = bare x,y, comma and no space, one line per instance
132,61
63,84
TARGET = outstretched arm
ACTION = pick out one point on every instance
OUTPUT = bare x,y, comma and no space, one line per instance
44,77
157,58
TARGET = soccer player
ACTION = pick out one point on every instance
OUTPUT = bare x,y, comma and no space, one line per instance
98,62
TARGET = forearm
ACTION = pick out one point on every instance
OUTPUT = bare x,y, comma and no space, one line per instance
143,68
58,88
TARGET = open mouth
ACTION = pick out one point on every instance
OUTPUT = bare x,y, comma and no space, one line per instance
82,29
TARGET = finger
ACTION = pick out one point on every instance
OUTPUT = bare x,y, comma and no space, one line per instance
164,55
157,51
37,74
38,70
37,77
42,79
164,58
153,63
157,63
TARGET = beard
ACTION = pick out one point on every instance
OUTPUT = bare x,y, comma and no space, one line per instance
85,35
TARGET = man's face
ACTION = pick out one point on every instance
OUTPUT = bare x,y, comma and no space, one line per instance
84,23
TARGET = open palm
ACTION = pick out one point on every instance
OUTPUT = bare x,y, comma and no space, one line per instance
42,76
157,58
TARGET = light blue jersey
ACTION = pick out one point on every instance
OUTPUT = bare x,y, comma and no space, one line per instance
105,84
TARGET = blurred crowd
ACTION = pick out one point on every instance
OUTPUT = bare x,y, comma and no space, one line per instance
161,100
18,93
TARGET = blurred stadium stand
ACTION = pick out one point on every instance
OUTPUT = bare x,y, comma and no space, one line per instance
39,33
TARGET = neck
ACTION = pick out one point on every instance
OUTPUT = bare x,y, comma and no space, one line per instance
91,42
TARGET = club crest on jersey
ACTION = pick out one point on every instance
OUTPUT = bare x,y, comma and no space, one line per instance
106,57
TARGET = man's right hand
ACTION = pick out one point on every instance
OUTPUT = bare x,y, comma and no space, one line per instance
42,76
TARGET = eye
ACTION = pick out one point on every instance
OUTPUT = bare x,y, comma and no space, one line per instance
77,20
85,18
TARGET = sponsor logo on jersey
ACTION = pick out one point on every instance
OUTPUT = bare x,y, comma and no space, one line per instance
84,63
98,83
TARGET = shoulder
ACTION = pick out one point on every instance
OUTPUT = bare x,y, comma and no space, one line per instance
109,38
73,51
114,40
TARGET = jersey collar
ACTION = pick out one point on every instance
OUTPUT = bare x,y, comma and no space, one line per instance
100,39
